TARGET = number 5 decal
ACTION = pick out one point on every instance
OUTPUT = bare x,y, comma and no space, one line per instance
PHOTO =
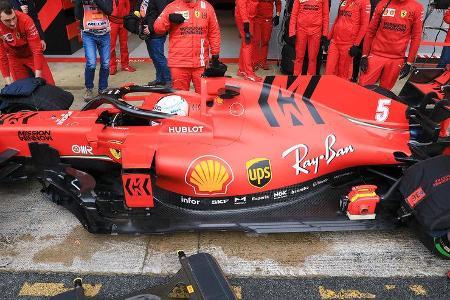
382,110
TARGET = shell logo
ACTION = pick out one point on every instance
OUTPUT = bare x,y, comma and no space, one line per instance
209,175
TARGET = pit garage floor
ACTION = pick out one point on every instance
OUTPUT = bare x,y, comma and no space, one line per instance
43,248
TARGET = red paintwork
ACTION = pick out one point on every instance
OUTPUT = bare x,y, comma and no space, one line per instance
235,132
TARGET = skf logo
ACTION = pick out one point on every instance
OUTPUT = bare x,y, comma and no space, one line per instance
259,172
389,12
403,13
209,175
115,153
138,190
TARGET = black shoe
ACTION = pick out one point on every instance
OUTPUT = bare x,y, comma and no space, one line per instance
156,83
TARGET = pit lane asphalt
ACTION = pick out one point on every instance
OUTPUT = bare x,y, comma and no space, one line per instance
38,236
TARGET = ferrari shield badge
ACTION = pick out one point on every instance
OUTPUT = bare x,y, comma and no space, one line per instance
259,172
209,175
115,153
403,13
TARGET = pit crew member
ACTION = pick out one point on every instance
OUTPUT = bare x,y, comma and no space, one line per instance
346,34
245,13
121,8
263,30
309,24
29,8
193,30
20,49
395,24
95,27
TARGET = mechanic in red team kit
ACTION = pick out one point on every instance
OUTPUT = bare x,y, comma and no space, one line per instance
263,30
309,24
346,34
245,13
193,30
20,49
394,24
121,8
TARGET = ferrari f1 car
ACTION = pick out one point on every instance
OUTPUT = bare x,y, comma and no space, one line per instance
291,154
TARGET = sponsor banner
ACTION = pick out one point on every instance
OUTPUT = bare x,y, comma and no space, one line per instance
259,172
291,193
77,149
35,136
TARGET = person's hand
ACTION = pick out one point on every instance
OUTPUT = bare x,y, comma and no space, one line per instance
38,73
405,70
146,30
276,20
247,32
176,18
24,9
39,80
8,80
354,51
44,45
364,64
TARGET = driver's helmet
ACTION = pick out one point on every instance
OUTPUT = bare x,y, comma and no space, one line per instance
172,104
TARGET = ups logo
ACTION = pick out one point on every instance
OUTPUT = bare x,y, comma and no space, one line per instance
259,172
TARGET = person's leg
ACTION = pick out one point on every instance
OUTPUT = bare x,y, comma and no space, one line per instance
149,44
160,61
256,43
313,51
164,67
196,79
245,59
332,59
390,72
123,41
17,67
345,68
113,60
375,67
445,57
181,78
103,44
90,53
265,39
300,47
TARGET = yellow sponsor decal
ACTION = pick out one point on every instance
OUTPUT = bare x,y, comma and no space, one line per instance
259,172
209,175
190,289
115,153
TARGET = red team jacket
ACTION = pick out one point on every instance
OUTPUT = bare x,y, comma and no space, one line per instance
400,23
190,42
121,8
265,8
351,23
309,16
21,42
245,10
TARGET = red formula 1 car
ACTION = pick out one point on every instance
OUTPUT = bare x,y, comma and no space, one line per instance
291,154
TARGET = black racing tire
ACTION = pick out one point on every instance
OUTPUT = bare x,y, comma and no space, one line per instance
439,246
44,98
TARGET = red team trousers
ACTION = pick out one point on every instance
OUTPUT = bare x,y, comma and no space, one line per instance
118,30
18,67
383,68
182,78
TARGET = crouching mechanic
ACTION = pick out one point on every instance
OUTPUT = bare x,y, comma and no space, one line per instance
394,24
346,34
193,31
20,50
